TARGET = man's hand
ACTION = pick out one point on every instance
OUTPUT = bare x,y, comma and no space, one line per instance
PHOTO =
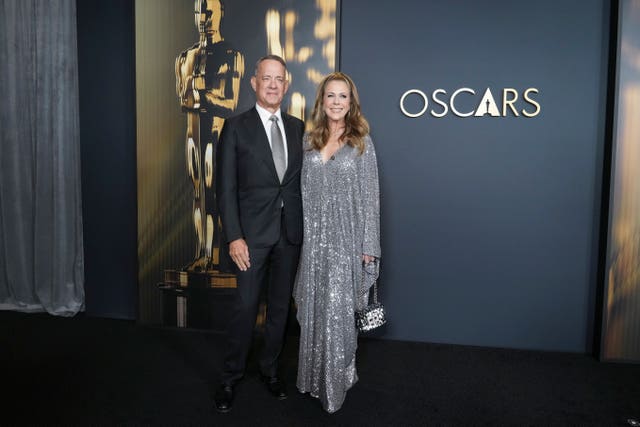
239,252
367,258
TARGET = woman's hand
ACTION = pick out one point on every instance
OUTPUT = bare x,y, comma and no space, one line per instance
367,258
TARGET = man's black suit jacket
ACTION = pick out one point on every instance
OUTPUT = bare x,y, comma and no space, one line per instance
249,194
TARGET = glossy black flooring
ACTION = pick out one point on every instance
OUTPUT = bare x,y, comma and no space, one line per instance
89,371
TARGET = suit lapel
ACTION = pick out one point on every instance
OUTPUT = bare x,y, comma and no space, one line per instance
262,148
294,151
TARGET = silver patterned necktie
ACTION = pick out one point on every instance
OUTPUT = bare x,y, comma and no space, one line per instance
277,147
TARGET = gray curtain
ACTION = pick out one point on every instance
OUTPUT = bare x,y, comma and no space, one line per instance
41,252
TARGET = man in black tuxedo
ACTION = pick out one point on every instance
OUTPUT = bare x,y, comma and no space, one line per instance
259,158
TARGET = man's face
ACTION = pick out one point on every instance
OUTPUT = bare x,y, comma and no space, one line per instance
270,84
208,16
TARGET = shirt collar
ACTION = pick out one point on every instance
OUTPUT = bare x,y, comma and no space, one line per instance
265,115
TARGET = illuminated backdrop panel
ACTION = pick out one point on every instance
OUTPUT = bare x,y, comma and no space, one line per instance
621,323
193,67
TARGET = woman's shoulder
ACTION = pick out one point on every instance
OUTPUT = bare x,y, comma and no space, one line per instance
368,143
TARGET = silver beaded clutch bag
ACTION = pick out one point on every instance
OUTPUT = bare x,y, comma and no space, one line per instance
373,315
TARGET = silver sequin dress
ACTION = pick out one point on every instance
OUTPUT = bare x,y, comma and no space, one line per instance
340,200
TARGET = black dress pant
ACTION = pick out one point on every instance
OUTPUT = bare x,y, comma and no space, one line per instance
274,267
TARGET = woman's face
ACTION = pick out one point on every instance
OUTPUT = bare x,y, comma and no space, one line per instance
336,100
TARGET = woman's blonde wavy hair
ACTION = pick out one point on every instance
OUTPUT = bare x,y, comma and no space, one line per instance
356,126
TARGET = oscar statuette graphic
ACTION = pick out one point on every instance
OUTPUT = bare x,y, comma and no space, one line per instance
208,77
189,80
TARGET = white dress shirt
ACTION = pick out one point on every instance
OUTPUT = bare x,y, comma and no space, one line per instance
264,117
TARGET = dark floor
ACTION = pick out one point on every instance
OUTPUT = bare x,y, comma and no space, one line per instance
88,371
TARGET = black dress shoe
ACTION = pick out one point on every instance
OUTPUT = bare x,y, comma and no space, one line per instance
223,399
275,387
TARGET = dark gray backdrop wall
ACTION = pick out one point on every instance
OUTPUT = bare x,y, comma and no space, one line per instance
108,151
490,224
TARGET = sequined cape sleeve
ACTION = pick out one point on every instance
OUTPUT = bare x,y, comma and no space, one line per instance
370,194
370,190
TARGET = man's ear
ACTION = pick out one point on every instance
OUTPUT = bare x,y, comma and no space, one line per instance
253,83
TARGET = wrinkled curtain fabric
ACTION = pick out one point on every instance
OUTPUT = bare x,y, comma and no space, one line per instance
41,251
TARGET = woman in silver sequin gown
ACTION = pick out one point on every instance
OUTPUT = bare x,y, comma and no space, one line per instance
341,247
